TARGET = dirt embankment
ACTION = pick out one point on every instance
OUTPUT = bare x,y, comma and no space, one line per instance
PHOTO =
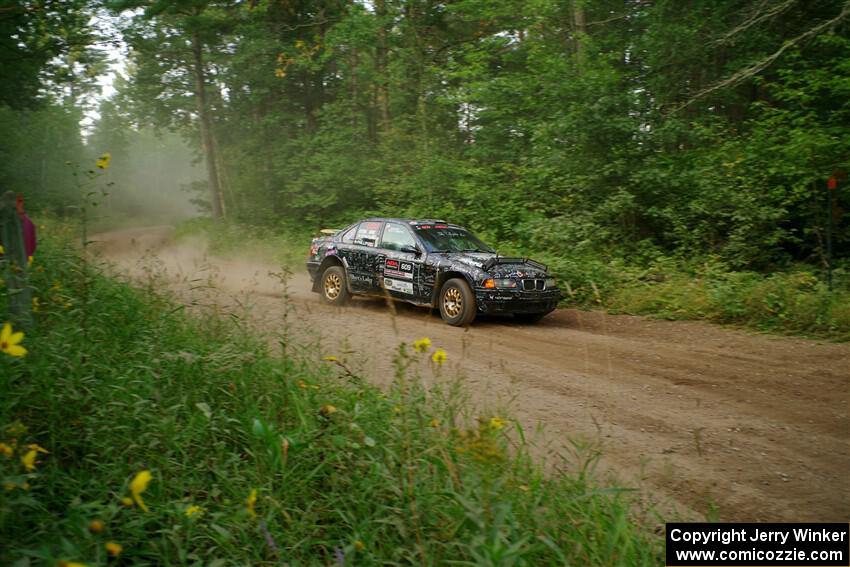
695,416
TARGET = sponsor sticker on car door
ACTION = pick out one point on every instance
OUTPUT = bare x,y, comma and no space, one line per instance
400,286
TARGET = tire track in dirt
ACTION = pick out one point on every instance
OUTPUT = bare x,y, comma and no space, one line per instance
693,415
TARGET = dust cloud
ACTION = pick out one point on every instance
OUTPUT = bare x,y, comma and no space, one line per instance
154,179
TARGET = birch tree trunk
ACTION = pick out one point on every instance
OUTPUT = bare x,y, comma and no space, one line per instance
207,141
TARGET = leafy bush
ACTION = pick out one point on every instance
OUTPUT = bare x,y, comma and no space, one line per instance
791,302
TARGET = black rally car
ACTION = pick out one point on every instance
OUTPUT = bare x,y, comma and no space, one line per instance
429,262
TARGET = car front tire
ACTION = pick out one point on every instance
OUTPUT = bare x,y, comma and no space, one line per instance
333,289
457,303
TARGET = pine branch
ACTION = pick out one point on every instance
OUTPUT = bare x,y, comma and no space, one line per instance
752,70
757,17
608,20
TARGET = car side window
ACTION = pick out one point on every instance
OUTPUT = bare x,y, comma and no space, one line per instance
367,233
348,237
396,236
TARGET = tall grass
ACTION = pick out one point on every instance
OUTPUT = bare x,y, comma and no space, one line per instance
794,302
259,458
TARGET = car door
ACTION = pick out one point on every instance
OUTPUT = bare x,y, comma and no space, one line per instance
362,258
399,266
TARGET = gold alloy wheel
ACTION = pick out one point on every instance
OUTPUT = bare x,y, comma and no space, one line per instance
453,302
333,286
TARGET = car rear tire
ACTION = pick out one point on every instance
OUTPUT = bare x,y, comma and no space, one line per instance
529,317
457,303
334,289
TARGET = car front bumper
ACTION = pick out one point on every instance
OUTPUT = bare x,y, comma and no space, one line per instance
516,301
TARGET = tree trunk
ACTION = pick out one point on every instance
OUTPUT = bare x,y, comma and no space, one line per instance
580,30
381,65
207,141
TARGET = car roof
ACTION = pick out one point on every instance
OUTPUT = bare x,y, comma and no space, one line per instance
413,222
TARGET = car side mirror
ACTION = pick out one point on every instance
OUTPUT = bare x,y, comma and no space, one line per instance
410,249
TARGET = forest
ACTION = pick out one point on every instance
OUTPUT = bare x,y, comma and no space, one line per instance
624,133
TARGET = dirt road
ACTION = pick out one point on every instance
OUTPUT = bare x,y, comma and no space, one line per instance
695,416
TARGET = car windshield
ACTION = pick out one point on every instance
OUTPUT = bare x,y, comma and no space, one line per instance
442,238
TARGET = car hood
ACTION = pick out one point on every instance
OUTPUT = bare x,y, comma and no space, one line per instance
499,266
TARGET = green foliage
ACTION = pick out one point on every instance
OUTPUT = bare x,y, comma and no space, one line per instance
118,381
34,147
46,52
793,302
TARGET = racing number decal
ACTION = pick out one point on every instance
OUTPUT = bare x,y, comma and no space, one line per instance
398,269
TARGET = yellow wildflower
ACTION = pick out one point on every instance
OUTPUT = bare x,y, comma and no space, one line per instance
9,341
70,564
96,527
496,423
29,261
29,459
439,356
6,450
194,510
279,73
114,549
252,500
330,358
2,250
359,545
103,161
127,501
422,345
299,44
327,410
434,422
139,485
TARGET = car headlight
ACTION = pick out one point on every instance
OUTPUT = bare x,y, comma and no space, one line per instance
501,283
550,282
